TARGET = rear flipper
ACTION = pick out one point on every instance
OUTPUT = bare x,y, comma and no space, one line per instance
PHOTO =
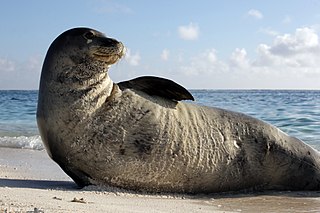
296,165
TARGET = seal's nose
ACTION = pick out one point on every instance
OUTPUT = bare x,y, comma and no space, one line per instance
110,42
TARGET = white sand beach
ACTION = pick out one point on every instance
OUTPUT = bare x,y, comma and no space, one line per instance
31,182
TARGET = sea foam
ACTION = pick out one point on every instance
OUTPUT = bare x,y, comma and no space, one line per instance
24,142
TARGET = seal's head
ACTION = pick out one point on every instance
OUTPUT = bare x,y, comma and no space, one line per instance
79,55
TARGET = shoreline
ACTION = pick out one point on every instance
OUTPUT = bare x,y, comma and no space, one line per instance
31,182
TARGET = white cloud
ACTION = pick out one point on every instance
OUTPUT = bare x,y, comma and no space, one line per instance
205,63
239,58
269,31
300,49
255,14
20,74
303,40
132,59
189,32
7,65
33,64
290,61
165,55
211,56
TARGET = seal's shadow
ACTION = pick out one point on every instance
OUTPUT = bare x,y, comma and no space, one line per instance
38,184
71,186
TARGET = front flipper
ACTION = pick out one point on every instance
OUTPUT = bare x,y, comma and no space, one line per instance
157,86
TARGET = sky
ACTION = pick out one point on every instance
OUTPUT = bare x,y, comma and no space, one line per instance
205,44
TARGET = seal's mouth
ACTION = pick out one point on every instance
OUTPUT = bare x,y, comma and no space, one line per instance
108,55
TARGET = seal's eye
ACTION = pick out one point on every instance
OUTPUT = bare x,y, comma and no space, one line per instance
88,35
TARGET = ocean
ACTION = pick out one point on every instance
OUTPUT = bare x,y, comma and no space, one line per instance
296,112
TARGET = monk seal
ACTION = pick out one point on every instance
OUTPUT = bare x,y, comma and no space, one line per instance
139,135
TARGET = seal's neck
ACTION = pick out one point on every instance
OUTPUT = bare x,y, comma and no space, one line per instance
84,98
89,97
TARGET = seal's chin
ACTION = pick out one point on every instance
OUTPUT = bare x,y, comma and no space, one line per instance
108,55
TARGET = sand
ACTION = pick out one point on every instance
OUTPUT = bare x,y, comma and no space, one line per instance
31,182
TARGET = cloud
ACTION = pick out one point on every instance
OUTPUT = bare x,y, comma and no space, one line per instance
300,49
304,39
132,59
189,32
205,63
289,61
7,65
33,64
20,74
239,58
269,31
165,55
255,14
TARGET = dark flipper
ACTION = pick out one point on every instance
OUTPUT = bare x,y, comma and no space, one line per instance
157,86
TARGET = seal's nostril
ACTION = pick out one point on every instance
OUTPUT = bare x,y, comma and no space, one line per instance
110,42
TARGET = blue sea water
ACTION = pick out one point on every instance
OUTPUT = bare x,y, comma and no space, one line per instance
295,112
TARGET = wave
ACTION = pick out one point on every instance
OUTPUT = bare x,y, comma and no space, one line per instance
23,142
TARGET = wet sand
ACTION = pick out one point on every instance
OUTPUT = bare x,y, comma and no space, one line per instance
31,182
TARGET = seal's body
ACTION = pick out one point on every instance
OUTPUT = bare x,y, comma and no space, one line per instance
138,135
